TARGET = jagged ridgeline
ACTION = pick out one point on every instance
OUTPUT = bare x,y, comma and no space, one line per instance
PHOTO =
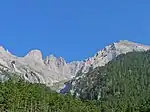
51,70
122,83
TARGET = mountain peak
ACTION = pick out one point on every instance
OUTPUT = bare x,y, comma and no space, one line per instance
2,49
5,52
36,54
125,41
130,43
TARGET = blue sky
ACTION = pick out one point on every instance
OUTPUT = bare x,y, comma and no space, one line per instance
73,29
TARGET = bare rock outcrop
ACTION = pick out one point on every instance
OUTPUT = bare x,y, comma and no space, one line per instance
52,70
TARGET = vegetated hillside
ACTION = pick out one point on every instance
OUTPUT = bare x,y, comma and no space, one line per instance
123,85
26,97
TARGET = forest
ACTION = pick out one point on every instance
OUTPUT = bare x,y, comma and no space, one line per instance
26,97
123,85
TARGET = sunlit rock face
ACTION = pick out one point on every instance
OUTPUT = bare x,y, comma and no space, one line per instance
102,57
50,70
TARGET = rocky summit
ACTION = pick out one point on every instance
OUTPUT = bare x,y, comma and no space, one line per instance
51,70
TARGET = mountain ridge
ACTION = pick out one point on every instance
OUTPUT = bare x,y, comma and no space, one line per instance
50,70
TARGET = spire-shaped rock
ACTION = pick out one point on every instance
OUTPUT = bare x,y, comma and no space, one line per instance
54,62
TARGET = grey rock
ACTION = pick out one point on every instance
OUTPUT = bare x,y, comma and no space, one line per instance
52,70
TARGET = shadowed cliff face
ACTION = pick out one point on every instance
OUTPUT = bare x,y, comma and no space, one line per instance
51,70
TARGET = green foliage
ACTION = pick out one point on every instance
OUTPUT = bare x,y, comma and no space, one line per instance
123,85
25,97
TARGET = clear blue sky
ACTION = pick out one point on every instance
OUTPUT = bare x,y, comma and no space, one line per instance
73,29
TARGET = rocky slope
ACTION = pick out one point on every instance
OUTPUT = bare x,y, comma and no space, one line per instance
110,52
125,78
34,69
52,70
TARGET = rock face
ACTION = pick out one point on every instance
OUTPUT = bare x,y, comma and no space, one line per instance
111,51
52,70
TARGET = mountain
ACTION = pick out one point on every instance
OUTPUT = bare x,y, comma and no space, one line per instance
122,71
35,69
105,55
122,85
51,70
